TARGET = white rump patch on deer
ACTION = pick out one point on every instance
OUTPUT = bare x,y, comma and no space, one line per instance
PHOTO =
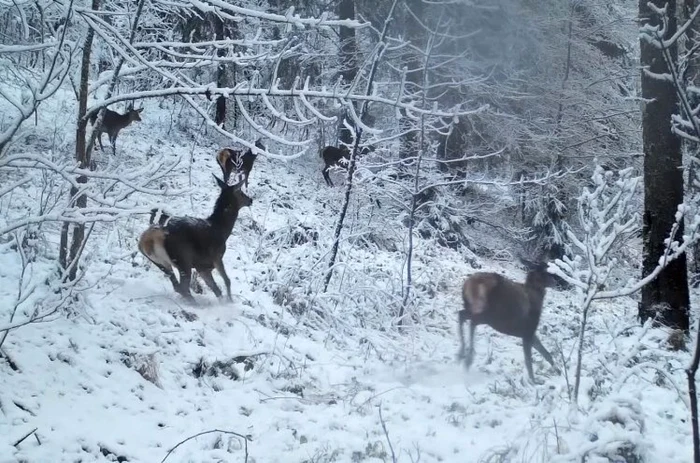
152,245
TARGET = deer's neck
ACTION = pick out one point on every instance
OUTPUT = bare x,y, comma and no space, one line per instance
222,225
222,220
536,295
117,120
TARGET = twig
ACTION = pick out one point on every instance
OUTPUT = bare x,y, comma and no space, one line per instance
21,439
418,455
20,287
386,433
377,395
9,361
245,441
556,436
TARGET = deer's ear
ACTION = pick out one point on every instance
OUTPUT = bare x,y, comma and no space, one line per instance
139,110
222,156
219,182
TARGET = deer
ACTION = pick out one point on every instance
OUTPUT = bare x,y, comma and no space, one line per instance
337,156
158,214
508,307
232,160
113,123
187,243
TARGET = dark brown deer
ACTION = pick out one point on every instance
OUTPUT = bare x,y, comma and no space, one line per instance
188,243
158,214
508,307
334,156
113,123
231,160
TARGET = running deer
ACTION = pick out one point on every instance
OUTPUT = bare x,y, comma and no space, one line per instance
188,243
159,215
231,160
113,123
508,307
333,156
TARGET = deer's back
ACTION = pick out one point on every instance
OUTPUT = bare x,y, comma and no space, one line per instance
193,242
332,154
114,122
505,305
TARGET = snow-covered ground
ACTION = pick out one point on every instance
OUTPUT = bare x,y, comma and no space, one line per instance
130,370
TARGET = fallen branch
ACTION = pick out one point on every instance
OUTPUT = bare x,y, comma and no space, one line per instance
245,441
386,433
21,439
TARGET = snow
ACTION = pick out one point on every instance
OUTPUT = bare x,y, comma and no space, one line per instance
321,366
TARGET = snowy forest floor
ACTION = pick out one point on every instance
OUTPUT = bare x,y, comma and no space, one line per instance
305,387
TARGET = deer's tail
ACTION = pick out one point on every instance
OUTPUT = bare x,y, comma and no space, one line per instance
152,245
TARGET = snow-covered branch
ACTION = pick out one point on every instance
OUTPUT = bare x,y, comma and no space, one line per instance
106,193
37,87
234,12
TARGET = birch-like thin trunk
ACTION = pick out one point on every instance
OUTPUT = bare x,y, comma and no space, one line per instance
78,199
379,53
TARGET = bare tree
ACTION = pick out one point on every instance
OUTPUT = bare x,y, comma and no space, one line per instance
686,125
38,87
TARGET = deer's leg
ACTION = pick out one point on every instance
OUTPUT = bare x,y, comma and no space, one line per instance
469,358
209,280
195,285
99,138
174,281
527,350
461,319
113,140
171,276
219,266
327,176
540,348
185,280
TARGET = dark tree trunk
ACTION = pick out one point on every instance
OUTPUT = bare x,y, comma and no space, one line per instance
665,298
82,155
691,75
412,62
220,116
351,162
348,59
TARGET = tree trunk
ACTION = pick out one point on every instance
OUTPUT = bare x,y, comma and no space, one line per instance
412,62
348,60
691,75
351,165
82,155
220,116
665,298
